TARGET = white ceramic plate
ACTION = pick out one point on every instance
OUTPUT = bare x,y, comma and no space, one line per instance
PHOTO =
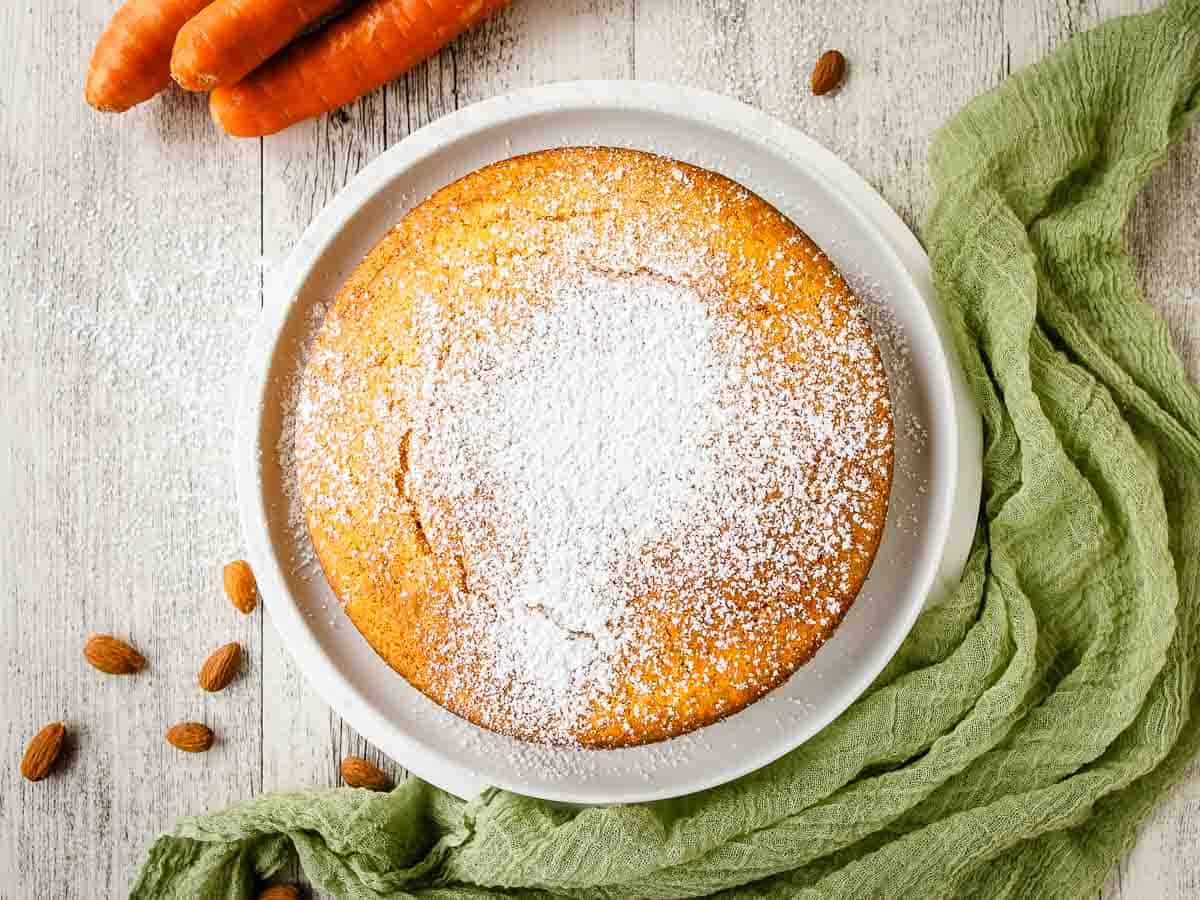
934,499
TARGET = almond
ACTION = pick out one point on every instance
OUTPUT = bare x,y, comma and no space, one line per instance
190,737
828,73
112,655
221,667
43,751
280,892
362,773
241,586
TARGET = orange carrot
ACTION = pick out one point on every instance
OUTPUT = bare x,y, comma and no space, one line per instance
372,44
231,38
132,59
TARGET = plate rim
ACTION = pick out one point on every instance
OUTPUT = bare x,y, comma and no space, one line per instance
956,517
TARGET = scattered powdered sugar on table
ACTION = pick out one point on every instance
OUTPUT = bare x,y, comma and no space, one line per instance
163,360
723,56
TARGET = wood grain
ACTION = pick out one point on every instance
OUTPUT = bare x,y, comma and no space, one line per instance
116,512
530,43
130,260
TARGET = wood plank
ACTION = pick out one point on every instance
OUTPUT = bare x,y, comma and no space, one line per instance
533,42
128,262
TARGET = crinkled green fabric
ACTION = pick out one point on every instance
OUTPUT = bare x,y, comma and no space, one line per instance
1029,724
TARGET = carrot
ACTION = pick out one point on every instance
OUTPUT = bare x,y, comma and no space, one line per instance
372,44
132,59
231,38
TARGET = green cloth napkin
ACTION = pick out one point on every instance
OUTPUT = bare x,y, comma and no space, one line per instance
1028,724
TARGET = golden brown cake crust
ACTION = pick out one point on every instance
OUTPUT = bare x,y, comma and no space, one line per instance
502,232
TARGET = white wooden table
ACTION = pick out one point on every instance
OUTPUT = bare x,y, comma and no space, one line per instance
130,252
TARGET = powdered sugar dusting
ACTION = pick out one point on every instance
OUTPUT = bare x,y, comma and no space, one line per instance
591,433
642,503
304,560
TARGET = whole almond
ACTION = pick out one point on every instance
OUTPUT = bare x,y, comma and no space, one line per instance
221,667
190,737
42,752
828,72
112,655
241,586
362,773
280,892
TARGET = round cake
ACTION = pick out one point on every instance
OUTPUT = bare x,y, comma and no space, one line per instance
595,447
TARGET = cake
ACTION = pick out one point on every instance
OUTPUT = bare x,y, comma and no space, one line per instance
595,447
